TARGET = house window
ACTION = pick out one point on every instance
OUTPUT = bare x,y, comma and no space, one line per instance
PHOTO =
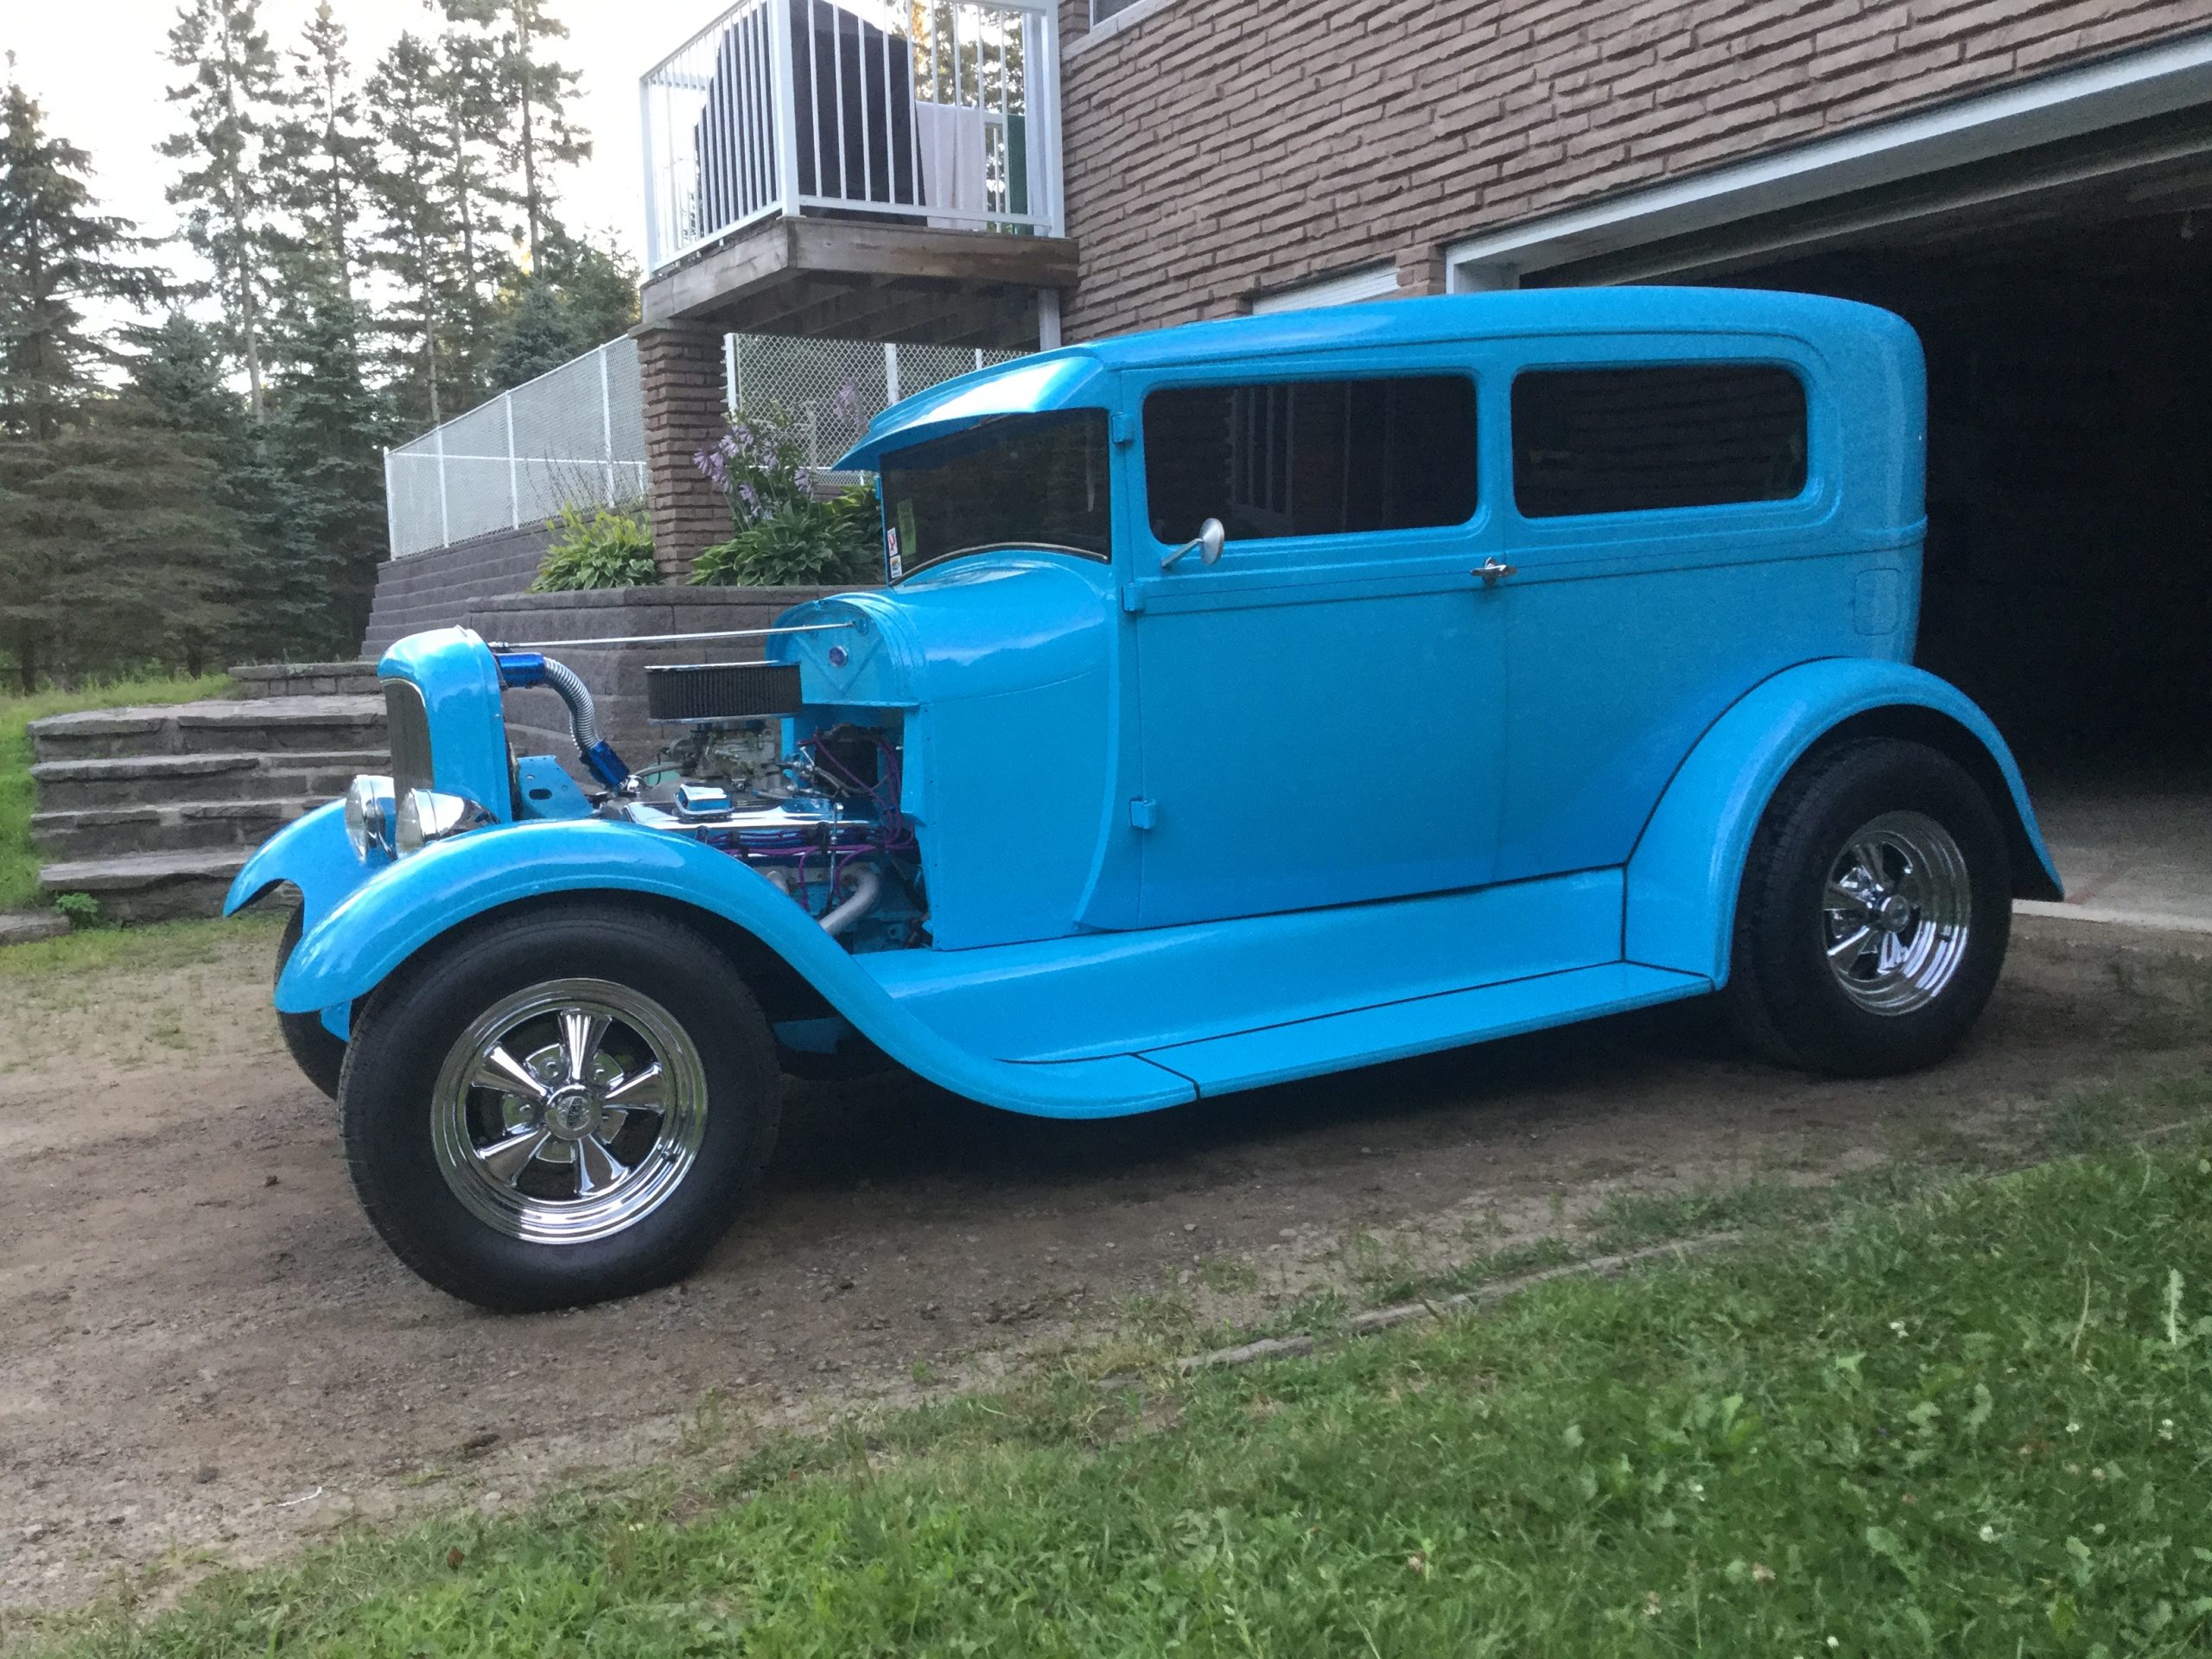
1311,457
1102,9
1672,436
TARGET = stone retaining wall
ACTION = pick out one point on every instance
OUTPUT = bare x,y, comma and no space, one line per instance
435,590
536,722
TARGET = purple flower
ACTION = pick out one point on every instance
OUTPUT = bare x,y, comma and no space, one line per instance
710,465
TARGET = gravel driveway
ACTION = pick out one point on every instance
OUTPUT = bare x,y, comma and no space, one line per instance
203,1348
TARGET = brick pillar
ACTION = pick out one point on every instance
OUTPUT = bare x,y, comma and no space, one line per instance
681,366
1421,271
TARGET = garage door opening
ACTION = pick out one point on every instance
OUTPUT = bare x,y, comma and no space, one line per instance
2067,580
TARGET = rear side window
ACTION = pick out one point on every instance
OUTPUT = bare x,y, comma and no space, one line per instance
1693,434
1311,457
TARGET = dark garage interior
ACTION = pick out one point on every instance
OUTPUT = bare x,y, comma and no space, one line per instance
2068,585
2065,298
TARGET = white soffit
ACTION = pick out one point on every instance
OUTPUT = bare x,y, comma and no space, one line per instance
2132,86
1350,288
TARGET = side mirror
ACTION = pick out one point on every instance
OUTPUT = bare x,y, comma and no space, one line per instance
1207,545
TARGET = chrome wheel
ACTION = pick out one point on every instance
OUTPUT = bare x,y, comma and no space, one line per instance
1897,913
568,1111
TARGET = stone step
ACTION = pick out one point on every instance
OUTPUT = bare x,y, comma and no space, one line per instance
151,886
256,725
26,926
134,780
265,680
164,827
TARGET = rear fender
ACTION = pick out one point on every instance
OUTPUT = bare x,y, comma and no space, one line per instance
1688,864
408,906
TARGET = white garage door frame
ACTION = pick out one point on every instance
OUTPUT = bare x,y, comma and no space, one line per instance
1348,288
2151,81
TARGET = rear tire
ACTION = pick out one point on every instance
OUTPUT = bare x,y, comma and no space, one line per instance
318,1052
559,1108
1874,913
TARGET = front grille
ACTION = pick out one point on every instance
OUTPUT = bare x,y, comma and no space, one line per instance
721,690
407,724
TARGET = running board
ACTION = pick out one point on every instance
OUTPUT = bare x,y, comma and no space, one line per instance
1095,994
1397,1031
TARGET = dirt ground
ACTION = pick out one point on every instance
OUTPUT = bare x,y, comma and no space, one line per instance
206,1355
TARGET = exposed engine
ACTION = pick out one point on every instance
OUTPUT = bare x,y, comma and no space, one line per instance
811,801
820,818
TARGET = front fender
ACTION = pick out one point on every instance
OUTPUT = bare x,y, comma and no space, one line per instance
1688,864
313,853
389,919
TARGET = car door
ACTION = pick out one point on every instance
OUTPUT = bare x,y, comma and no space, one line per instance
1671,502
1318,711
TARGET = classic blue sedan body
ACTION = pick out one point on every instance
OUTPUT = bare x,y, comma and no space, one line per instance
1524,607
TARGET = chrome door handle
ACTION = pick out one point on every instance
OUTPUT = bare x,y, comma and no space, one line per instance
1494,570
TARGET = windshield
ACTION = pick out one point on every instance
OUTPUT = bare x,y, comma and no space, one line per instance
1026,481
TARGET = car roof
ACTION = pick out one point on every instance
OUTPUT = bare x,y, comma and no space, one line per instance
1078,376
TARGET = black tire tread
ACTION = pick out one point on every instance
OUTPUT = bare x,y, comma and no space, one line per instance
1750,999
679,1250
319,1055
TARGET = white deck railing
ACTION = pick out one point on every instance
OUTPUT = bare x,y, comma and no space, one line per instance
942,114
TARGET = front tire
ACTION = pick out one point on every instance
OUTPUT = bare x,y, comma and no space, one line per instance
559,1108
318,1053
1874,913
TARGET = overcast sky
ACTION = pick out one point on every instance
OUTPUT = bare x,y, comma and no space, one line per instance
99,71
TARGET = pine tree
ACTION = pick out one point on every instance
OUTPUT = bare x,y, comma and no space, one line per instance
580,296
184,404
599,283
539,335
319,157
56,254
471,88
323,530
120,518
542,137
224,189
535,135
416,231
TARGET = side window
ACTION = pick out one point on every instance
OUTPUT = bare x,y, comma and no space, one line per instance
1311,457
1693,434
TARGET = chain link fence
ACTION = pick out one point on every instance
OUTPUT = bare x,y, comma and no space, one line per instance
575,436
829,390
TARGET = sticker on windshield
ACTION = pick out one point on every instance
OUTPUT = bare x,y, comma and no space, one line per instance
902,539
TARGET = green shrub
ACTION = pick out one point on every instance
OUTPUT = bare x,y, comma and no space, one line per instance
609,549
82,909
798,542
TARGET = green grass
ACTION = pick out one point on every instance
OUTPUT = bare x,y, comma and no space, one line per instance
18,863
1974,1421
91,957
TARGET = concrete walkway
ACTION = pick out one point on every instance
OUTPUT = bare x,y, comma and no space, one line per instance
2135,849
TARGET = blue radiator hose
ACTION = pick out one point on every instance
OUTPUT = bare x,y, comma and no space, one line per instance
521,669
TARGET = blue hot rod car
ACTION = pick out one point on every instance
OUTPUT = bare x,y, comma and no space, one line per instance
1249,701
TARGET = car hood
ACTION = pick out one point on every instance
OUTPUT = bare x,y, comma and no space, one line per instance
971,627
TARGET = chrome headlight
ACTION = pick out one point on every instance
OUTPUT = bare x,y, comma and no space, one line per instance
370,815
426,816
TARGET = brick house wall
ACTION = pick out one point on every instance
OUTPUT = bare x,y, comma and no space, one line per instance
1218,148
